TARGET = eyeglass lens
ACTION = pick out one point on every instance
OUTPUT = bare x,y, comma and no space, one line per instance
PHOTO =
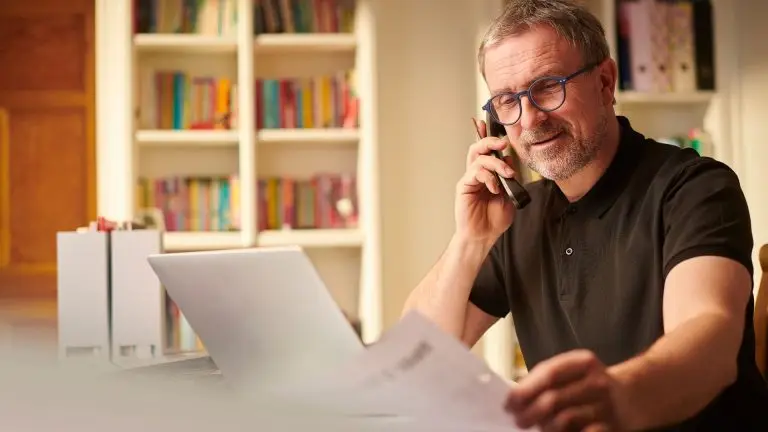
546,94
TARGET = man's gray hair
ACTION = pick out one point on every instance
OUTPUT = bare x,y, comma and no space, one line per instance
571,20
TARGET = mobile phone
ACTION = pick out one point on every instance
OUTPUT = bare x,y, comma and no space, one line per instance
515,191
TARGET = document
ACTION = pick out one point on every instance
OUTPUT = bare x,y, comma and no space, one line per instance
416,373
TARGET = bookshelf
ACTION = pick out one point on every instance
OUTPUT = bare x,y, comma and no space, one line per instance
170,137
659,112
313,237
309,136
307,43
247,133
629,97
684,103
192,241
190,43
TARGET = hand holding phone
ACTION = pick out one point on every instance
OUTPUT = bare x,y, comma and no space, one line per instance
483,208
514,190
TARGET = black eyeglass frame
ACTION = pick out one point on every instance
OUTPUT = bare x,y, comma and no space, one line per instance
562,80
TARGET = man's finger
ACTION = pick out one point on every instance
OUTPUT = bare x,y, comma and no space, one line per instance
552,373
598,427
552,402
480,127
478,176
493,164
485,176
575,418
484,147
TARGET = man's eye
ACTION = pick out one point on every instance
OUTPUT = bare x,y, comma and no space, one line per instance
507,100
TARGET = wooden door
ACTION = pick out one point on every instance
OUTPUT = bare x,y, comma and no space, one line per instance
47,171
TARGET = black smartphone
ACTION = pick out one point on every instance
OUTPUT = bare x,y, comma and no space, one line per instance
516,192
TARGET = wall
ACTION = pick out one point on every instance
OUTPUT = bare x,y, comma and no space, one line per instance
751,101
427,95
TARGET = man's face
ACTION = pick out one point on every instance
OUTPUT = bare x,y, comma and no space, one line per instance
555,144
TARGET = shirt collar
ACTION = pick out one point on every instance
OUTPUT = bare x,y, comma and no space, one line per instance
611,184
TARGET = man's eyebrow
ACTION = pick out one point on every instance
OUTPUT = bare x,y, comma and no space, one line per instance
503,90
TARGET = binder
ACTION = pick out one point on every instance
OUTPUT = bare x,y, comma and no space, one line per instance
661,59
704,50
681,46
640,44
83,295
622,42
138,299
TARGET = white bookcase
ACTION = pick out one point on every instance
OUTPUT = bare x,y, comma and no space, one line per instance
656,115
660,115
348,259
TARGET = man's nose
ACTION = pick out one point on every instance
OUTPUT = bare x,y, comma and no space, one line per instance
531,116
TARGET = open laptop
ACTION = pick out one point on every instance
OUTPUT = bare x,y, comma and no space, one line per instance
264,315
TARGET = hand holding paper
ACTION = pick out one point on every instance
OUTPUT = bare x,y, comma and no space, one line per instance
572,391
417,372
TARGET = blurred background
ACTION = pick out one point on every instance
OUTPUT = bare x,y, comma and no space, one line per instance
338,125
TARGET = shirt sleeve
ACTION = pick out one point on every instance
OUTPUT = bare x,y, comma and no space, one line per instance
706,213
488,291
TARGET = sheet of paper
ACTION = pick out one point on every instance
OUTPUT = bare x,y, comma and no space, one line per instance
416,372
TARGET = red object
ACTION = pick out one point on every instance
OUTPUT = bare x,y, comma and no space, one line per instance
102,224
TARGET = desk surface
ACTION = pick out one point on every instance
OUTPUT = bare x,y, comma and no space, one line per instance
187,367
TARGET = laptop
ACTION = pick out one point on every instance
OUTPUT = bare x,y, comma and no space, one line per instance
264,315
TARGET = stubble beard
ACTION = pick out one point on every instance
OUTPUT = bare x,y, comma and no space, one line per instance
565,159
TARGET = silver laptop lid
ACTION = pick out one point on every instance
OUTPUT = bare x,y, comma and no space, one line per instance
264,314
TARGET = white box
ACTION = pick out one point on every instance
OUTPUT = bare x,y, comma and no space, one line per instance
138,299
83,295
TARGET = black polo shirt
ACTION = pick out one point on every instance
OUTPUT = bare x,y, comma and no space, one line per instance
590,274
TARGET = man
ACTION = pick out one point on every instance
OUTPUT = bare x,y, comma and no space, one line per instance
628,276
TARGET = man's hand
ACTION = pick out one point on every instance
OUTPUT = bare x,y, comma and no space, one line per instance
571,391
482,210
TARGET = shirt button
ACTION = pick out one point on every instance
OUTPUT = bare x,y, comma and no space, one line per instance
569,251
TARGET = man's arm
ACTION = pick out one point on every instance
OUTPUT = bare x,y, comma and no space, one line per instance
443,294
708,285
707,273
704,303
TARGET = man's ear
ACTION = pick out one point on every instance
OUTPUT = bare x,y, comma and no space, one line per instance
609,74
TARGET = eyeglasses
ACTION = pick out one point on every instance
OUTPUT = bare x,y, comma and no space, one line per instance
546,93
